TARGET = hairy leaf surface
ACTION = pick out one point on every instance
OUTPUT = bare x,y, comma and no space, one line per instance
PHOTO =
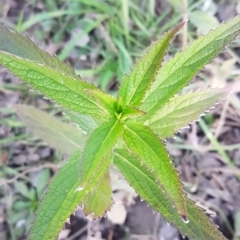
98,146
59,203
180,70
153,155
84,122
22,46
181,110
108,101
138,81
199,226
62,198
100,201
64,137
66,91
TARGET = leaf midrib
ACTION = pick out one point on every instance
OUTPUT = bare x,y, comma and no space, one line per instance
107,136
174,60
54,70
153,182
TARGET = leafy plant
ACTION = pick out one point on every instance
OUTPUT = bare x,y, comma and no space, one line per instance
126,131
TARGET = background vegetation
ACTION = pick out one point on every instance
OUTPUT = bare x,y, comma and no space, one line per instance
102,39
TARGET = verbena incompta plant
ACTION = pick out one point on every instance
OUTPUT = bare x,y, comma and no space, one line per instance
127,131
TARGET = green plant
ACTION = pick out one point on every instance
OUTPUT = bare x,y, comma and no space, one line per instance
126,131
25,200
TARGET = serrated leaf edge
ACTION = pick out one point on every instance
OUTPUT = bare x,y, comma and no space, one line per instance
157,179
201,69
146,51
27,38
225,95
63,74
155,208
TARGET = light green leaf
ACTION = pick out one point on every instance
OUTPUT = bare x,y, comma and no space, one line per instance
98,146
64,137
114,107
180,70
199,226
203,21
22,46
100,201
108,101
84,122
138,81
181,110
130,112
63,89
152,153
62,199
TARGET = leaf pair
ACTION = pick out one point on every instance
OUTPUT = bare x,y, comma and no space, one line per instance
176,73
198,227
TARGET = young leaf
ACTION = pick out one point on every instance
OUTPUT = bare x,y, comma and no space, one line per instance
115,107
180,70
64,137
100,201
199,226
181,110
153,155
138,81
22,46
98,146
130,112
108,101
67,91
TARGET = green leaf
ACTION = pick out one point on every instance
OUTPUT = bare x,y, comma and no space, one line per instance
98,146
84,122
62,199
108,101
153,155
114,107
199,226
180,70
203,21
22,188
63,89
130,112
181,110
138,81
100,201
64,137
22,46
